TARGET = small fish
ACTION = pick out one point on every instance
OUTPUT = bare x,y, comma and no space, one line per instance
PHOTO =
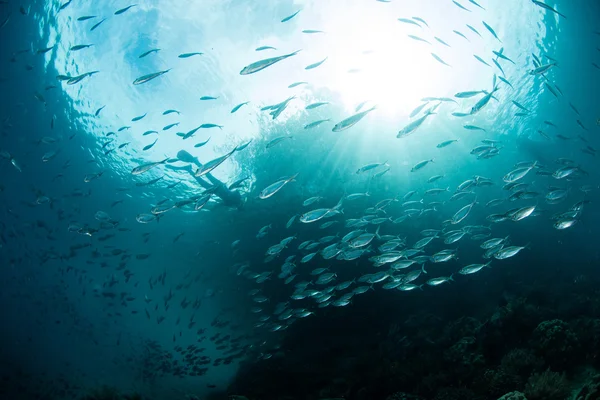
541,69
67,4
474,128
86,17
138,118
148,147
489,28
188,55
314,124
267,62
441,41
149,52
481,60
99,110
505,81
277,141
97,25
547,7
315,105
461,35
262,48
412,127
502,56
212,164
418,39
286,19
208,98
78,47
460,6
167,127
421,20
351,121
439,59
551,89
122,10
275,187
146,167
498,65
149,77
149,133
311,31
315,65
446,143
208,126
234,109
474,30
197,145
520,106
420,165
475,3
293,85
417,110
409,21
44,50
167,112
466,95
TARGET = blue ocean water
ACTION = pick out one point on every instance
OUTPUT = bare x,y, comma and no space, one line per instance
161,284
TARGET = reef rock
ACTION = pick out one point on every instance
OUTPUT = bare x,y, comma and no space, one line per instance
591,390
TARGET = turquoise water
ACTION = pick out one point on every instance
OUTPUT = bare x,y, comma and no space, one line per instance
87,286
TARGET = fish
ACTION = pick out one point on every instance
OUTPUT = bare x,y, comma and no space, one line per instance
311,31
149,77
289,17
409,21
474,128
518,173
211,165
293,85
204,98
148,147
489,28
188,55
420,165
419,39
475,3
99,110
461,35
439,59
461,214
86,17
147,167
351,121
502,56
505,81
315,65
547,7
122,10
267,62
197,145
466,95
314,124
234,109
97,25
138,118
474,30
276,141
460,6
262,48
446,143
417,110
441,41
473,268
481,60
275,187
78,47
148,53
520,106
412,127
316,105
542,69
167,112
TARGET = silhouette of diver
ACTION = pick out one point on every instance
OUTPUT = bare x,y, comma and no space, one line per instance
229,198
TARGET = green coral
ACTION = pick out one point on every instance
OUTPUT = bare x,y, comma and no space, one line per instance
590,390
556,343
547,385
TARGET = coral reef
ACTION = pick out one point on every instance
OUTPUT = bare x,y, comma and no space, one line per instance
590,390
547,385
557,344
109,393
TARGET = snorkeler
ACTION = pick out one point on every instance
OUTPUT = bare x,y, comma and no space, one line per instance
230,198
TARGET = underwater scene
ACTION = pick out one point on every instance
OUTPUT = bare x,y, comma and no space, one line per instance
300,199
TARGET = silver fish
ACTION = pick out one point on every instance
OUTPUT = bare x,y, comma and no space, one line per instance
262,64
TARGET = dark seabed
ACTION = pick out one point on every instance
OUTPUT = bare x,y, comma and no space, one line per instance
300,199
